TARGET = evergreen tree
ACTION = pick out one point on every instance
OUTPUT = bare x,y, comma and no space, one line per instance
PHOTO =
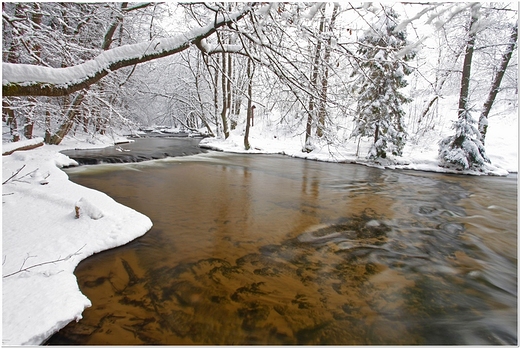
382,70
464,150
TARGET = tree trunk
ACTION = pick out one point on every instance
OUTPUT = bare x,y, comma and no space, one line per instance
28,128
495,86
466,69
225,106
322,112
215,95
69,120
8,114
250,72
48,134
229,91
314,83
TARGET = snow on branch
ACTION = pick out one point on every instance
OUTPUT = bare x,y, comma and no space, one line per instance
217,48
405,22
137,6
32,80
313,10
14,175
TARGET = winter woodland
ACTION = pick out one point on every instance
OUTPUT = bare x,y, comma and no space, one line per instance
389,74
376,79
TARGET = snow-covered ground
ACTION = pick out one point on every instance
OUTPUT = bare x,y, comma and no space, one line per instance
43,241
419,154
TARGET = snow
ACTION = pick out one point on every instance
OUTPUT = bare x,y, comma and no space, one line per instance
266,137
42,236
10,147
312,11
86,208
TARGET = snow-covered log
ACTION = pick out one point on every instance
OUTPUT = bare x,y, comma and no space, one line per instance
32,80
29,144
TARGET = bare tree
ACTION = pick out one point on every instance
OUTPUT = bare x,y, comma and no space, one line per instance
495,85
322,112
250,107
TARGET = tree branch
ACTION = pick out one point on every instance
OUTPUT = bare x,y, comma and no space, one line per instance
42,263
31,80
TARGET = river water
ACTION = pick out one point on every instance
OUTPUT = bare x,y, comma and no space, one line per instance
266,249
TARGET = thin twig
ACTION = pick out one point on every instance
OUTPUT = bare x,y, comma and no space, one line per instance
30,173
15,174
43,263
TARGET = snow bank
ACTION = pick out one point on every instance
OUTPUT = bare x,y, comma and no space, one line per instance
501,147
43,241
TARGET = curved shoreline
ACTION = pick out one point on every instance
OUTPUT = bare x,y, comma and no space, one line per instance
43,242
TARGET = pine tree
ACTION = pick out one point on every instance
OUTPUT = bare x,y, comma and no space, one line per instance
382,71
464,150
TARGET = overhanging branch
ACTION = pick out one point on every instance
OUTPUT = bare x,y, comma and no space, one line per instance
31,80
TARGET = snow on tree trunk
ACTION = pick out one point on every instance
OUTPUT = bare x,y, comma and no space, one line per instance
314,84
322,111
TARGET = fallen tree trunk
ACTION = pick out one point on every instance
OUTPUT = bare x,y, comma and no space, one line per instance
9,148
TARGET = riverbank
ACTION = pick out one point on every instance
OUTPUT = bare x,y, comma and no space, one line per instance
44,240
419,154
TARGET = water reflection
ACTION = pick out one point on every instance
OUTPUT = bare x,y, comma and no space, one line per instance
273,250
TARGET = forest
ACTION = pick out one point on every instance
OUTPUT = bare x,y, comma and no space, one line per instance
330,73
225,248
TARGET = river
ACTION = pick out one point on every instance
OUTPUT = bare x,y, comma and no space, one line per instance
267,249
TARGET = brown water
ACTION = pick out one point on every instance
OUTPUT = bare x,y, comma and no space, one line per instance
274,250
